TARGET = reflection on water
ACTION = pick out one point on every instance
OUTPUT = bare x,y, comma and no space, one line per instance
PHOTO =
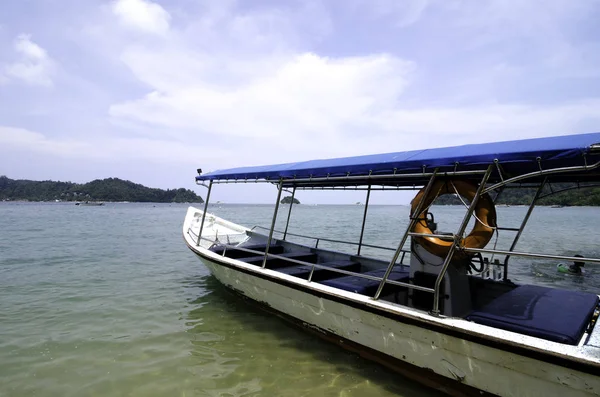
236,343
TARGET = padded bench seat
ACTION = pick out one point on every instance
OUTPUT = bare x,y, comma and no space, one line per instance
547,313
235,253
303,271
367,286
275,263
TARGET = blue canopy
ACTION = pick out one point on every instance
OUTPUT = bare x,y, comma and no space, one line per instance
515,157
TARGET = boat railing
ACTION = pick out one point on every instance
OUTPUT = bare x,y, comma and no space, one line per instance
331,240
215,239
328,268
445,236
531,255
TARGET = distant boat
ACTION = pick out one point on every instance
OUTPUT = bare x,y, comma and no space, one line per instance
90,203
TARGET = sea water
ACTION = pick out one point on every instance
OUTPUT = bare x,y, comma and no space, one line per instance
108,301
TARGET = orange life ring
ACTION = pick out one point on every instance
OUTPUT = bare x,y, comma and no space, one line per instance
482,231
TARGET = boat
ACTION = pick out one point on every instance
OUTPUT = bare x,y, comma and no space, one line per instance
90,203
441,309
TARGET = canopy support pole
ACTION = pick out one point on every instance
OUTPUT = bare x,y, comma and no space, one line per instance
413,221
204,214
287,223
279,189
362,229
523,223
457,238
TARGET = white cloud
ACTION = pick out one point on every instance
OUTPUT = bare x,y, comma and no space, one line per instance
33,67
106,149
261,99
329,106
230,83
142,15
34,141
305,95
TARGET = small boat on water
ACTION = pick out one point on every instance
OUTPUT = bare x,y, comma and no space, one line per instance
440,309
89,203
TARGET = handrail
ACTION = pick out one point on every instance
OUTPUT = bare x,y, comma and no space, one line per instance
191,232
449,236
204,212
369,178
438,282
541,173
316,265
531,255
279,189
329,239
413,221
523,224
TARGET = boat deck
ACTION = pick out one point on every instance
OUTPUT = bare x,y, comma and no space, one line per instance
547,313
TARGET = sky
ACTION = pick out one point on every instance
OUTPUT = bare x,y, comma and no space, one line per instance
149,91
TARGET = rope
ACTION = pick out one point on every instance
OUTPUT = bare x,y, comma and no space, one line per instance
467,206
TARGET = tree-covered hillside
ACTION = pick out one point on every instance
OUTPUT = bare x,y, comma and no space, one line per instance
588,196
110,189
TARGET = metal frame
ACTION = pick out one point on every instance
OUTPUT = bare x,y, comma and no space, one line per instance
204,214
287,223
318,239
413,219
279,189
363,179
542,172
523,224
362,229
457,237
532,255
366,183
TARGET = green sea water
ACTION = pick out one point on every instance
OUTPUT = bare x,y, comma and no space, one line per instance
108,301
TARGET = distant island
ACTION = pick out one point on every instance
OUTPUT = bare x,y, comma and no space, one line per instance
110,189
288,200
584,196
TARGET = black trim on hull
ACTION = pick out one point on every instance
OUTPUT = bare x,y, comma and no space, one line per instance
592,369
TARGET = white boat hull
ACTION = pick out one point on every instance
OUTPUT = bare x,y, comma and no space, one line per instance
452,348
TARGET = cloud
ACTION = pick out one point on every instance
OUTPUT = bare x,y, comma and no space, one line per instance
400,13
229,83
106,149
34,141
240,85
304,95
141,15
33,67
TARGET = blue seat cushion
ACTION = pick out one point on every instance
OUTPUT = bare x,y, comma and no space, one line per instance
547,313
367,286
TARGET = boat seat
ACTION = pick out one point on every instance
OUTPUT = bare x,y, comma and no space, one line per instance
367,286
303,271
237,253
275,263
547,313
